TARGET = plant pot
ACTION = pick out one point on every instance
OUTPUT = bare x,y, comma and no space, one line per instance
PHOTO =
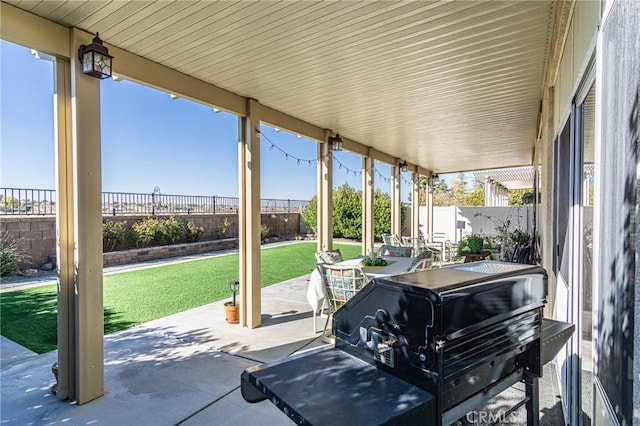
233,312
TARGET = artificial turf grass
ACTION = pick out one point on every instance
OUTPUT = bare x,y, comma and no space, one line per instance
28,317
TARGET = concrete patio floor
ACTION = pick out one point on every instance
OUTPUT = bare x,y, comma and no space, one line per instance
185,369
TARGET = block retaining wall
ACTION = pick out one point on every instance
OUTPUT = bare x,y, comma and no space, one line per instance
124,257
37,234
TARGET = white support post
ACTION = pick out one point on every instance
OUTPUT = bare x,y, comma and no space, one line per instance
415,205
429,234
396,200
367,204
325,195
249,216
85,174
64,235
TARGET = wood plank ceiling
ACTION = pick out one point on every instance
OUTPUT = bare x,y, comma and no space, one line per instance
448,85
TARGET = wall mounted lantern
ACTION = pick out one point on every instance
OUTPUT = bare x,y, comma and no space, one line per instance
404,166
95,59
336,142
435,178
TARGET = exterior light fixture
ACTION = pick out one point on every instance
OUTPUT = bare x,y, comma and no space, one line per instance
95,59
404,166
435,178
336,142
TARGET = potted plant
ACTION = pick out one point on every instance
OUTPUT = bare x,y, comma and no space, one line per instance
473,243
231,309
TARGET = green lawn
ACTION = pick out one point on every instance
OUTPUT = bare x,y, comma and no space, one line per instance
28,317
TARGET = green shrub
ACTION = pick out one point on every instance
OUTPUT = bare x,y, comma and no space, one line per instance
310,215
347,213
12,257
146,231
155,231
114,235
193,233
171,231
264,231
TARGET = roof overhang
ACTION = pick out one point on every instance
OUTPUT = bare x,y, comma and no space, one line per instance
448,86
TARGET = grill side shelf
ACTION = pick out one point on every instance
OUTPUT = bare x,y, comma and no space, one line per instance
554,335
333,387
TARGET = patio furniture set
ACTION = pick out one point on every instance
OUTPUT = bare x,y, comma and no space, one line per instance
335,280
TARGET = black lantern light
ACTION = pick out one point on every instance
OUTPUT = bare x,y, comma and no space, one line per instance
404,166
95,59
336,142
435,178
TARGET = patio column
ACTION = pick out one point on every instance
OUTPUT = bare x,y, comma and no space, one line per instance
249,216
488,189
325,195
367,204
79,176
429,193
415,205
396,194
64,225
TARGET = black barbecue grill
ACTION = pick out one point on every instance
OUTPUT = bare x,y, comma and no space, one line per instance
424,347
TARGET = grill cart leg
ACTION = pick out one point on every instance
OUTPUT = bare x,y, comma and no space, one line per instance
533,405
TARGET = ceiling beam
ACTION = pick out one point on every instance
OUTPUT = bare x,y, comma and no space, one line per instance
284,121
31,31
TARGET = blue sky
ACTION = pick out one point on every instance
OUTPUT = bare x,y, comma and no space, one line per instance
149,139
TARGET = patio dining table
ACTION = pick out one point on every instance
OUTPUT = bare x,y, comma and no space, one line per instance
397,265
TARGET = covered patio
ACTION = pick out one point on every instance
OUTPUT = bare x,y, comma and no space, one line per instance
185,369
430,87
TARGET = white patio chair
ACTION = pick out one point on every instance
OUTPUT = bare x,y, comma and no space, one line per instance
341,283
422,261
391,240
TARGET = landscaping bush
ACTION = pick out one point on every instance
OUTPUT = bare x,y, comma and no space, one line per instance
156,231
12,257
193,233
146,231
264,231
310,215
114,235
171,231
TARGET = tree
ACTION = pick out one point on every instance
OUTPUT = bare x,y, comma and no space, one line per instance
423,184
458,190
515,196
347,213
11,203
475,197
310,214
441,193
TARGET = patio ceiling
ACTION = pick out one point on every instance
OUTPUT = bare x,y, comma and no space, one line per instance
449,86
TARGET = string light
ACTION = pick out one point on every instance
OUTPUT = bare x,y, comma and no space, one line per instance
341,165
286,154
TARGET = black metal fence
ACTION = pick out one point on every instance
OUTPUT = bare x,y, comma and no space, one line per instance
43,202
